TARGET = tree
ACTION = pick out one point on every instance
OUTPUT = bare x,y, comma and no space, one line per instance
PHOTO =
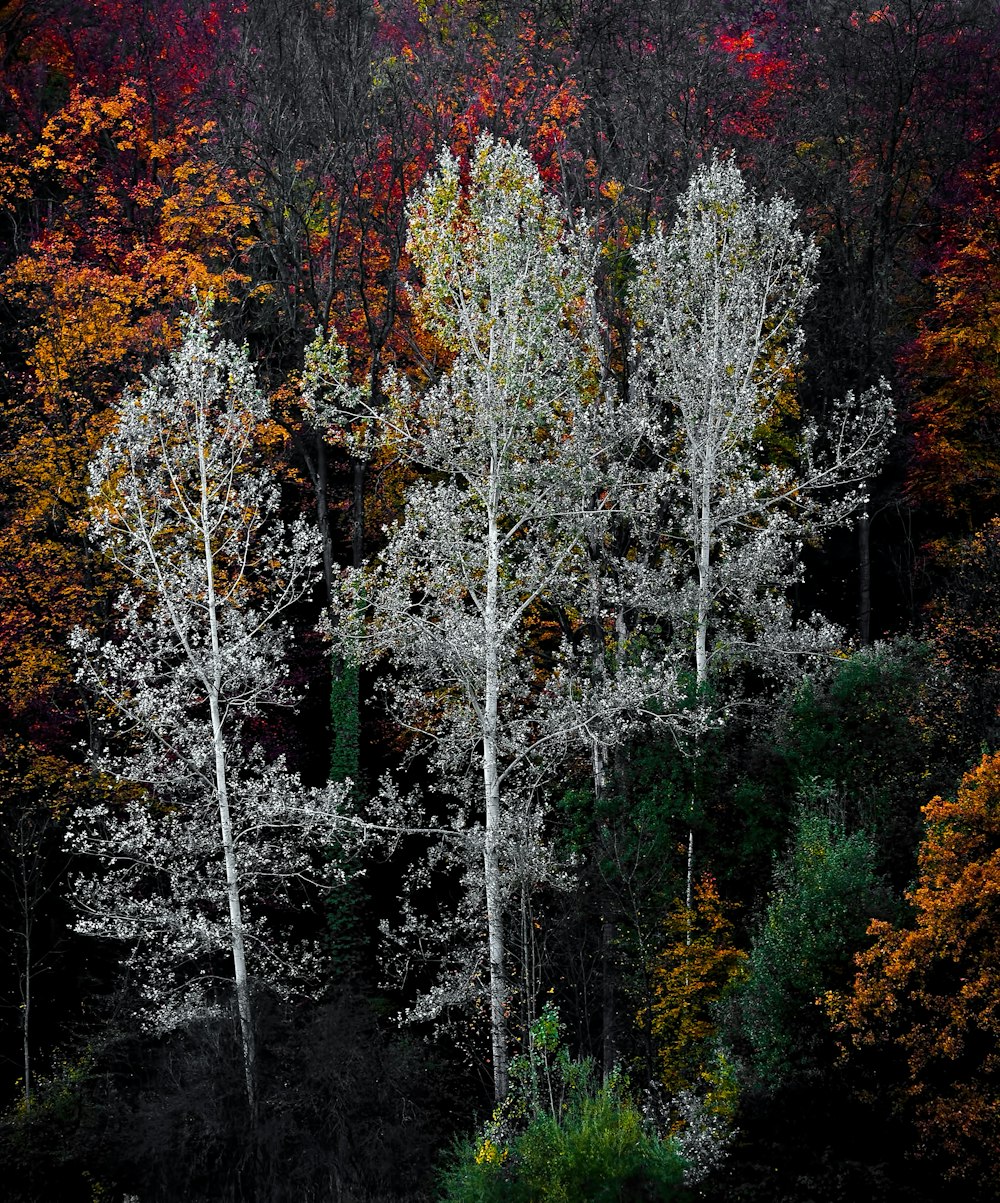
954,366
117,223
824,893
560,1135
889,101
695,966
868,726
925,997
962,626
33,865
731,488
495,519
183,507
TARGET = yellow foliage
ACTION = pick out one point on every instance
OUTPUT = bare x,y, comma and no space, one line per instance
138,222
697,964
489,1153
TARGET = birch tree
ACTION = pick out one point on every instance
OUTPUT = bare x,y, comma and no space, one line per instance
495,516
183,506
733,480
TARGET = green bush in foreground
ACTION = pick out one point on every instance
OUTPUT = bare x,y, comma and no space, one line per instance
561,1137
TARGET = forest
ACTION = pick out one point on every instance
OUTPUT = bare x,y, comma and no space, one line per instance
498,698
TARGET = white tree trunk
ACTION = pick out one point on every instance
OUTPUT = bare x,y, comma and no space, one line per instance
491,846
704,556
26,1013
242,982
182,506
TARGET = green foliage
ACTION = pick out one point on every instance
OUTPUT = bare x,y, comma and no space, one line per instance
859,731
560,1137
345,935
346,938
44,1148
630,844
856,729
825,892
344,722
633,830
598,1150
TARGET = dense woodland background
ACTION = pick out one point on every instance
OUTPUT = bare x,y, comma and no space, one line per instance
788,940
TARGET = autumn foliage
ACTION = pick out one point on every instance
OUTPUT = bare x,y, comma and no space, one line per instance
698,963
954,364
928,991
270,157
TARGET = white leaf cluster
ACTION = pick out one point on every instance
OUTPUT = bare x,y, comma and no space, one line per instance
222,844
512,480
329,397
444,949
157,884
566,553
730,489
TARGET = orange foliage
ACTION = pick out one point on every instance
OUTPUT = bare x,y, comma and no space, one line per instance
954,366
124,224
698,963
512,80
931,992
140,221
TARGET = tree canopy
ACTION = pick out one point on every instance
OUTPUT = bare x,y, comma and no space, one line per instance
497,530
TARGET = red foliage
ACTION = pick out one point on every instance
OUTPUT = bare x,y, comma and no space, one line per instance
954,363
765,78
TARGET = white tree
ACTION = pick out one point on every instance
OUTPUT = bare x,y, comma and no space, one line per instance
731,481
496,516
183,505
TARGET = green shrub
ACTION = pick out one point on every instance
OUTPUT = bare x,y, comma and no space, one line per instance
598,1151
561,1138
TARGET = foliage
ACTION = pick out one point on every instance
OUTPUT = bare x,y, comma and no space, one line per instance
345,938
697,964
113,214
144,217
863,726
184,506
344,722
731,488
825,891
954,365
560,1136
658,350
964,713
925,993
43,1148
495,516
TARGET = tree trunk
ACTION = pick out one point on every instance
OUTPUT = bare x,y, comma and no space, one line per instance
494,922
491,846
243,1001
704,517
26,1013
323,516
357,512
609,1044
242,983
865,580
